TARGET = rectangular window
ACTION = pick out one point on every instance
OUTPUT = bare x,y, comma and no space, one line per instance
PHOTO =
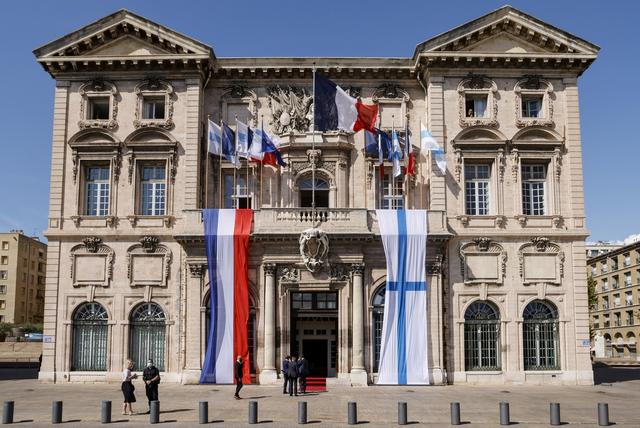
605,284
616,300
615,282
97,190
606,321
153,108
614,264
534,179
477,182
594,271
627,259
5,245
3,304
605,303
630,318
98,108
153,190
616,319
4,260
236,192
627,279
628,298
3,289
605,267
532,106
4,274
392,192
476,105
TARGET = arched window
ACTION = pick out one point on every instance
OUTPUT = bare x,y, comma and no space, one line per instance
540,335
377,317
251,330
306,192
90,338
481,337
147,337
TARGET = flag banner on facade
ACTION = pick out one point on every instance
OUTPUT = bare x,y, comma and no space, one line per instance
244,137
265,149
427,142
408,152
403,352
214,139
335,109
226,234
229,145
396,155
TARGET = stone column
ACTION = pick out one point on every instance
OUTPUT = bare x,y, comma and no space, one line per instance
358,373
269,373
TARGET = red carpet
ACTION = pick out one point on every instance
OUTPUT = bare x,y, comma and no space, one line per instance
316,384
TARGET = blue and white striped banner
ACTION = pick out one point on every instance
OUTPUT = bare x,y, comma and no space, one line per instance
403,353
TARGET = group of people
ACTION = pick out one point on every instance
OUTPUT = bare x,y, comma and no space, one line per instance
295,370
151,378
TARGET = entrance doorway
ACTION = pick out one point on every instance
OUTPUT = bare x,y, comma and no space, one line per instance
314,321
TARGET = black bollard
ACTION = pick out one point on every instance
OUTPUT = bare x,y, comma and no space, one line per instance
253,412
56,412
302,412
7,413
504,413
554,414
455,413
154,412
402,413
203,412
105,412
603,415
352,413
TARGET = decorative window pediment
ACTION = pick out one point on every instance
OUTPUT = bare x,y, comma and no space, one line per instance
482,261
393,102
91,263
241,103
148,263
478,105
98,105
154,106
541,261
534,102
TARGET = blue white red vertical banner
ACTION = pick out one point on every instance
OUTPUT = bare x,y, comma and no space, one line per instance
226,233
403,352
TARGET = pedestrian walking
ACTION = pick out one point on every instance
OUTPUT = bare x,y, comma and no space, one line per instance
285,373
303,372
128,388
238,371
151,378
293,377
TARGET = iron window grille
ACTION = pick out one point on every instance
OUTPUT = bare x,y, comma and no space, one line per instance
540,335
90,331
482,337
147,336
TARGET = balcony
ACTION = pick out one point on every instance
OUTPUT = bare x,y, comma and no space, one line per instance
274,222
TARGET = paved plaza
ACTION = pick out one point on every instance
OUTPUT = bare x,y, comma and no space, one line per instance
377,406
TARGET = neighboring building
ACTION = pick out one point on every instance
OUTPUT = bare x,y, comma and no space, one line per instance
615,317
23,263
600,247
127,270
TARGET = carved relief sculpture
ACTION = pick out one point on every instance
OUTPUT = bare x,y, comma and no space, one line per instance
148,263
290,109
157,89
534,86
541,262
482,261
98,89
91,263
478,86
314,247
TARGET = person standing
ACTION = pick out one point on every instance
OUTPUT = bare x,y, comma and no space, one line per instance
128,388
285,373
293,377
303,372
238,372
151,378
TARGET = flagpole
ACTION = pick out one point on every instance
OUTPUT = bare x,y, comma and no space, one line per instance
313,145
206,168
406,160
262,160
220,199
393,175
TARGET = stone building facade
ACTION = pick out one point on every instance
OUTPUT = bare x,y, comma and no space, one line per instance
130,175
23,261
615,315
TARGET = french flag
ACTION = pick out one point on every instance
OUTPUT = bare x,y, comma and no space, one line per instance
226,234
264,149
334,109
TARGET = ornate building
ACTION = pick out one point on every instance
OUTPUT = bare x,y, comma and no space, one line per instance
126,269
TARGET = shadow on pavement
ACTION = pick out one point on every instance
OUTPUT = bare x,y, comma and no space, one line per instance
611,374
17,371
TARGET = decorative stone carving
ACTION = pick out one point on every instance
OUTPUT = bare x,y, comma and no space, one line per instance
154,87
357,268
557,156
241,92
314,157
501,221
91,263
478,85
500,161
534,85
196,270
314,247
297,167
290,109
541,262
288,274
340,272
464,220
98,88
148,263
270,268
482,261
515,164
558,221
353,91
522,220
390,91
457,164
435,266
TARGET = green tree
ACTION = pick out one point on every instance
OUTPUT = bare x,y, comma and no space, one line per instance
591,299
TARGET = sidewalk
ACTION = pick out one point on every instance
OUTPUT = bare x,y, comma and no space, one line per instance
377,406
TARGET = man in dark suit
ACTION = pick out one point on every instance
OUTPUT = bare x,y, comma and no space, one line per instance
293,377
285,373
238,370
303,372
151,378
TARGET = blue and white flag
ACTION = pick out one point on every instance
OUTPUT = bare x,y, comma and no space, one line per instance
403,352
397,154
427,142
214,139
229,145
244,137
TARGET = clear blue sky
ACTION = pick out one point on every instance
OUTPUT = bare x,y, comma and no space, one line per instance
326,28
